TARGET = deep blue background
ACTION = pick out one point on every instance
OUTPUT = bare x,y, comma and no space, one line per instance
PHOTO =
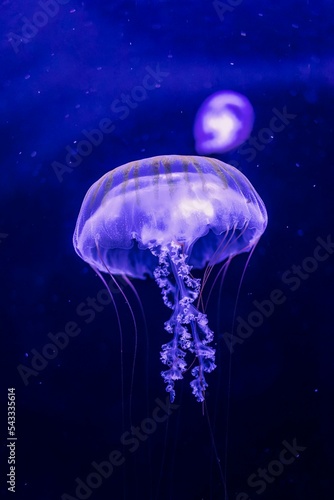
281,387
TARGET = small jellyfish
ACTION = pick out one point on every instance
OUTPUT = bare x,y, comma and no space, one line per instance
223,122
160,217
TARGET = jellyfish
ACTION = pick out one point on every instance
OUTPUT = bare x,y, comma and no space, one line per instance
223,122
159,218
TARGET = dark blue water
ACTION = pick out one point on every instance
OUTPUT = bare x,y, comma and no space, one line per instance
69,69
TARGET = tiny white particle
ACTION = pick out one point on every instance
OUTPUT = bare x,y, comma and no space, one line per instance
27,77
33,154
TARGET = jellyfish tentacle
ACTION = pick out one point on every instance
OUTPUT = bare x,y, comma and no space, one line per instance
161,274
188,325
205,355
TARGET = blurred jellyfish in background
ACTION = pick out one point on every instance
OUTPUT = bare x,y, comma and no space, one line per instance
223,122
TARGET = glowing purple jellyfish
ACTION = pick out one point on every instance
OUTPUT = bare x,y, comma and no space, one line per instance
223,122
160,217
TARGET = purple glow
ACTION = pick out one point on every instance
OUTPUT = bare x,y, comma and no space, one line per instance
161,217
223,122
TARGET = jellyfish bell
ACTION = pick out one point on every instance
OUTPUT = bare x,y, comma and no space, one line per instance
223,122
160,217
